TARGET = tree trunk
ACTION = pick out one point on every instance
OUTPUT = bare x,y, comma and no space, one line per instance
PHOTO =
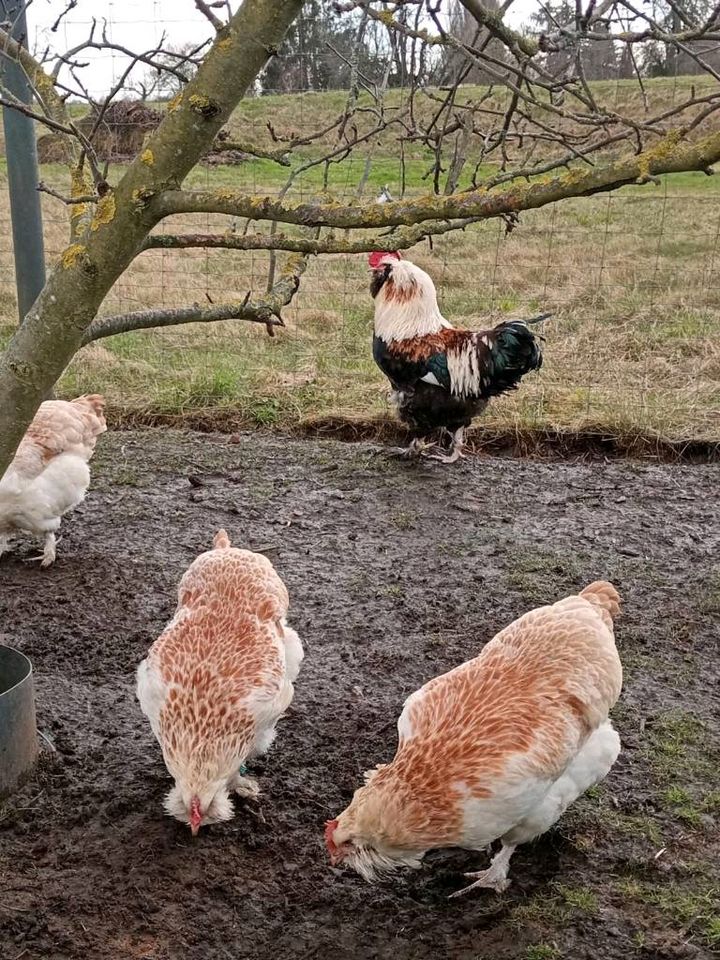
55,327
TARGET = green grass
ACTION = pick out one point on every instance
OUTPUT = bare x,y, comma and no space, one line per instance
682,805
677,747
682,761
633,347
579,898
709,593
535,572
558,908
542,951
696,911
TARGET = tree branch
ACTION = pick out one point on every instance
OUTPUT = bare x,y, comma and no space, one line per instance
244,146
265,311
54,113
54,328
170,317
493,22
667,156
401,239
204,8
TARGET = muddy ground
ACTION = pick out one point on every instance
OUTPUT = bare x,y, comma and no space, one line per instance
396,573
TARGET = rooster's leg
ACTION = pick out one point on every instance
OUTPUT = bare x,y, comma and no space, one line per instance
455,449
495,877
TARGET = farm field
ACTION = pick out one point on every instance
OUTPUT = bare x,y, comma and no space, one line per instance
631,280
396,572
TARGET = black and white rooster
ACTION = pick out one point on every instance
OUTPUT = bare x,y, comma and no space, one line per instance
441,377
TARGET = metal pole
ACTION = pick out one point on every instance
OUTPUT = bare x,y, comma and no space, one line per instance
22,167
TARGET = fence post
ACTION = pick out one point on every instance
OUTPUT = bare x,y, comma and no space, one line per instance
22,167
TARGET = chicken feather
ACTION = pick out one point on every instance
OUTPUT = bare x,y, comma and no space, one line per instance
496,748
217,680
49,474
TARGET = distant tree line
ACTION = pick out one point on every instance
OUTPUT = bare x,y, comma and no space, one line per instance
325,51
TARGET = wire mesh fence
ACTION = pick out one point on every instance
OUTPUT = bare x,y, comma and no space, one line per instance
631,280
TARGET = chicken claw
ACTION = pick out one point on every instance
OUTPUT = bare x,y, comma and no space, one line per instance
47,557
494,878
456,448
413,451
485,879
457,454
245,787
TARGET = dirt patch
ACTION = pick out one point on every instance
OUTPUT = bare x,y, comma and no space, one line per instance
396,572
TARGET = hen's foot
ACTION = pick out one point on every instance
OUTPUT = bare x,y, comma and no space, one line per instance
494,878
485,878
47,557
245,787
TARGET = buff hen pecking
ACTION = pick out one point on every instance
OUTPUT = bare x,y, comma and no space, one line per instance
497,748
50,473
218,679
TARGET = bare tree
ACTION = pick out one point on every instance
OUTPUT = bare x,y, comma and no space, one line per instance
544,135
172,69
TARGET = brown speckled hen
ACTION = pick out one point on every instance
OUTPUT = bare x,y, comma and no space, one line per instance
218,679
497,748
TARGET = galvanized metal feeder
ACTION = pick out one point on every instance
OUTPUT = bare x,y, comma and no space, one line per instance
18,733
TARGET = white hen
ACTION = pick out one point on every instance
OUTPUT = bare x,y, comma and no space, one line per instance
50,473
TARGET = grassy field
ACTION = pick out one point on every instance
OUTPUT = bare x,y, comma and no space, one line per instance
631,279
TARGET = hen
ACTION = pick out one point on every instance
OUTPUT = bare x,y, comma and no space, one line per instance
50,473
441,377
218,679
497,748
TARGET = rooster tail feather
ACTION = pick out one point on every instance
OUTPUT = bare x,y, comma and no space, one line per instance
515,351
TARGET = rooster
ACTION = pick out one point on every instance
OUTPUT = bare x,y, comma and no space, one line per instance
441,377
49,474
497,748
218,679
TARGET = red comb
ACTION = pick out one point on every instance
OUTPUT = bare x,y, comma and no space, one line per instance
375,259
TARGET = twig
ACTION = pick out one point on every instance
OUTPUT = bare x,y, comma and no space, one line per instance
88,198
244,146
204,8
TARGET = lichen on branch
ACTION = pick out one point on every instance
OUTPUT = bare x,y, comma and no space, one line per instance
670,155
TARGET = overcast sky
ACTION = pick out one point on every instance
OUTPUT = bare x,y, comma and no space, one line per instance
138,25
